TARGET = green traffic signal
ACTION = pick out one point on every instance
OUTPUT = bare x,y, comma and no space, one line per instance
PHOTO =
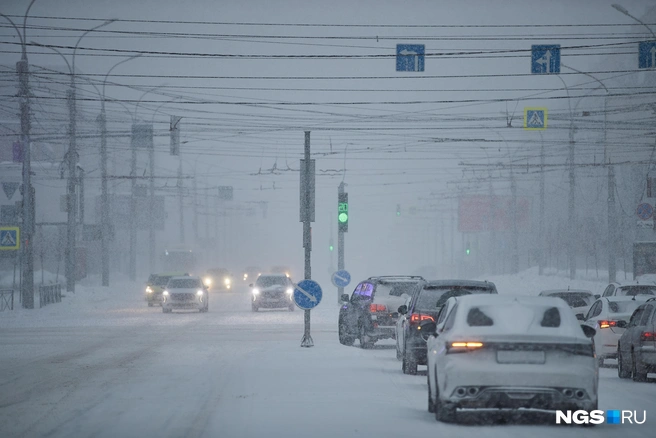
343,217
331,247
467,251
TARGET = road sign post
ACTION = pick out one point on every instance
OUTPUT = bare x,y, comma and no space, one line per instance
307,216
342,197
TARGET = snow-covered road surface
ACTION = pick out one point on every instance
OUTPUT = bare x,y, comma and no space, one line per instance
109,366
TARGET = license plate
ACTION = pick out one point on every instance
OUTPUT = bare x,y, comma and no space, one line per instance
519,356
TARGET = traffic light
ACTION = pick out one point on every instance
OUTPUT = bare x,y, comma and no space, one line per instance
331,247
331,244
398,209
342,212
467,249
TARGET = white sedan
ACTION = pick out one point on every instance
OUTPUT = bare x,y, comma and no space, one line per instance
185,293
505,352
604,315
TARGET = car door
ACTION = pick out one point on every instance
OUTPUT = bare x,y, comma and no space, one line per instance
359,303
641,324
400,325
608,291
592,318
626,340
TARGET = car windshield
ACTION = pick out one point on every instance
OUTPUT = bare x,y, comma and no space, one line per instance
267,281
631,291
623,306
160,280
183,283
432,297
574,299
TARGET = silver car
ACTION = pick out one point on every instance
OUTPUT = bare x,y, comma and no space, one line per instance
500,352
185,293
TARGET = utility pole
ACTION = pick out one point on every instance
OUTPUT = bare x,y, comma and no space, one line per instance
132,269
71,159
104,200
543,240
307,216
515,238
151,208
195,218
181,198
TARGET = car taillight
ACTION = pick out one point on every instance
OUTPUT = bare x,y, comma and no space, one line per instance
377,308
607,324
648,336
463,346
416,318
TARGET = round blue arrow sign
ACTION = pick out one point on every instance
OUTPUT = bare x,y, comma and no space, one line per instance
341,278
307,294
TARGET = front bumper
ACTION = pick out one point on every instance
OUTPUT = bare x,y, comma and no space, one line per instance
154,297
184,301
275,301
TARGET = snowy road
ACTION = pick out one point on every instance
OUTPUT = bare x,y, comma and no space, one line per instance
110,367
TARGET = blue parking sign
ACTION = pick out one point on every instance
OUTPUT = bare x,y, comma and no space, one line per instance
647,54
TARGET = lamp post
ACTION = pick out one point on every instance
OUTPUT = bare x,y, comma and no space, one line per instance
623,10
71,159
27,268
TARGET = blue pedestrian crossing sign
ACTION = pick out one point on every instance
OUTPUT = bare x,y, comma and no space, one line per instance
307,294
647,54
535,119
410,57
9,238
341,278
545,59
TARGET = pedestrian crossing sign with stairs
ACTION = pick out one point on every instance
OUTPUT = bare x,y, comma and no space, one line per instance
9,238
535,119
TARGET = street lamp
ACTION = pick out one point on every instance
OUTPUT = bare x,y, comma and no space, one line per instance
22,68
623,10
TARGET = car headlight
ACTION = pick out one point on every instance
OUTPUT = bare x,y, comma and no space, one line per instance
207,281
226,281
245,276
256,291
199,292
165,293
149,290
290,290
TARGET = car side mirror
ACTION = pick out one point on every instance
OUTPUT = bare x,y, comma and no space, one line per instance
403,309
250,285
580,317
597,296
588,331
621,324
427,328
344,298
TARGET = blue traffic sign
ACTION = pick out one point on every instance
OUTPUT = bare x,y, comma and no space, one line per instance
535,119
410,57
645,211
307,294
647,54
341,278
9,238
545,59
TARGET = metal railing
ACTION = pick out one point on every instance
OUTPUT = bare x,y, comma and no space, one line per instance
6,299
49,294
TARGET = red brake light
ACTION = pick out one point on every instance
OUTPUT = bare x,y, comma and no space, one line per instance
377,308
607,324
648,336
416,318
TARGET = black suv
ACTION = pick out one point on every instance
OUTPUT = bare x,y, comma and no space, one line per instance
424,305
370,313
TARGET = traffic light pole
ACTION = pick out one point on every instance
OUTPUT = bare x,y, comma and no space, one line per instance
307,237
340,242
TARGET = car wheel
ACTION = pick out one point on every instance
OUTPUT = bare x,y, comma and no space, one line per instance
165,310
344,338
637,372
622,372
254,308
444,412
409,365
291,307
431,405
364,343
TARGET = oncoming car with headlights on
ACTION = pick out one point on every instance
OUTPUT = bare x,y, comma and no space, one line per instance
156,284
185,293
218,279
272,291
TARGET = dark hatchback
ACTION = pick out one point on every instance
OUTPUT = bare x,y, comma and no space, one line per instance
370,313
424,306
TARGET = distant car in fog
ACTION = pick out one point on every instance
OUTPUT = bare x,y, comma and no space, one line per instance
218,279
156,284
251,273
629,289
280,269
579,300
636,349
370,313
272,291
185,293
